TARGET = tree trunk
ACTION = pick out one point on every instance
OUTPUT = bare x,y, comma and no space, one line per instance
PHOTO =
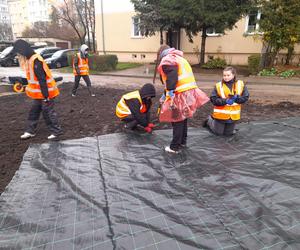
161,36
87,21
203,40
289,55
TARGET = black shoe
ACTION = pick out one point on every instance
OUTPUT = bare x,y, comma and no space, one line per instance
204,124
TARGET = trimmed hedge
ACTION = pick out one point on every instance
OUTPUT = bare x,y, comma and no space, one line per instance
253,64
215,63
103,62
99,62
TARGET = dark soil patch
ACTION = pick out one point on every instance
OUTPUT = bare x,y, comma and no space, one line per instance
84,116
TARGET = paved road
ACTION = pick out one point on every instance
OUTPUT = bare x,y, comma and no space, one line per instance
265,90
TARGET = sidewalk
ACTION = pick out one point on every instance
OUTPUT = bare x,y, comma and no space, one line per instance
147,72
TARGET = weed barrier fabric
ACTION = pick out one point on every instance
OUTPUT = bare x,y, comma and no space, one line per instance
121,191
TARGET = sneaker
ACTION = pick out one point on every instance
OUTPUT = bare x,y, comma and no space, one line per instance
93,95
52,136
73,95
26,135
169,150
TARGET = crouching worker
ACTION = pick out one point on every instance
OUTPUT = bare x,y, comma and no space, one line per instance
41,89
227,97
134,108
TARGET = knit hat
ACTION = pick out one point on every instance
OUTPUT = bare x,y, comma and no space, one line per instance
23,48
147,90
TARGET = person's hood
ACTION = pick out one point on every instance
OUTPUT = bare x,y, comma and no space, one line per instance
23,48
147,90
83,49
171,51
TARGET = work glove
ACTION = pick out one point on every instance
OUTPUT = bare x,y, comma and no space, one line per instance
151,125
229,101
170,93
162,98
148,129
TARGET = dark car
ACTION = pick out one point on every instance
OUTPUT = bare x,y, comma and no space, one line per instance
8,58
60,58
47,52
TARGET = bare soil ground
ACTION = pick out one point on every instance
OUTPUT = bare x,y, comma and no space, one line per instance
84,116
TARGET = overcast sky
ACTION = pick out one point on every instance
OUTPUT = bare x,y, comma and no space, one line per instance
113,6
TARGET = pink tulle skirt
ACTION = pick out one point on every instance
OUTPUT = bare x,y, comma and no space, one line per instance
183,105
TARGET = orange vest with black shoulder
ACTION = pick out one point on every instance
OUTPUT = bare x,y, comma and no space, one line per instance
186,79
233,111
33,89
122,110
83,65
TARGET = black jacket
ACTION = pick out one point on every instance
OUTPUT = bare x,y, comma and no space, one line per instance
219,101
134,105
23,48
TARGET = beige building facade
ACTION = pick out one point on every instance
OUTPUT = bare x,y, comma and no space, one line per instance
24,13
117,33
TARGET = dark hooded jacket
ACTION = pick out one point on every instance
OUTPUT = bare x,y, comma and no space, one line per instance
134,105
23,48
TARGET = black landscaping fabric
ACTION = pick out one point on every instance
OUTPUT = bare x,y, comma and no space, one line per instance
122,191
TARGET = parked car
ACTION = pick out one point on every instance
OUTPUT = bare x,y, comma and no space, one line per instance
59,58
8,58
47,52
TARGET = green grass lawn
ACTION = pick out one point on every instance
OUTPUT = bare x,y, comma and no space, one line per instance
120,66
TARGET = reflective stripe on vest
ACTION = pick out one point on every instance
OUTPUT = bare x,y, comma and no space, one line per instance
122,110
227,112
186,79
33,89
83,65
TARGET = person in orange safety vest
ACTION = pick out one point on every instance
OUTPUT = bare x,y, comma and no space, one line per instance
134,108
227,97
81,69
41,89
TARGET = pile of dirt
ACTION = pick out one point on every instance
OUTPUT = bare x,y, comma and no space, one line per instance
84,116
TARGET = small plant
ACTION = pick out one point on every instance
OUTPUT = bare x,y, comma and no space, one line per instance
268,72
287,73
216,63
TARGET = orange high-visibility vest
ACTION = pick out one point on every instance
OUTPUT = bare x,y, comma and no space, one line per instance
186,79
83,65
122,110
227,112
33,89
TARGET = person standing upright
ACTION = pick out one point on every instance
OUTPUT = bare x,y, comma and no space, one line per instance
81,69
41,88
181,97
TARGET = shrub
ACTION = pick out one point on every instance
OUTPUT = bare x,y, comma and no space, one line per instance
103,62
99,62
216,63
253,64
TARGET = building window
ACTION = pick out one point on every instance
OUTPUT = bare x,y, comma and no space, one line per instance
252,22
213,32
137,30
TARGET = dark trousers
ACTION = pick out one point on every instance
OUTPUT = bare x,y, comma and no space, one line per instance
179,134
87,80
219,127
49,115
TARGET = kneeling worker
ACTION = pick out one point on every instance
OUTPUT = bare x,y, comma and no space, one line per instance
134,108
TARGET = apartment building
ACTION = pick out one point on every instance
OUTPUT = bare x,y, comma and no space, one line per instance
117,32
5,25
24,13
